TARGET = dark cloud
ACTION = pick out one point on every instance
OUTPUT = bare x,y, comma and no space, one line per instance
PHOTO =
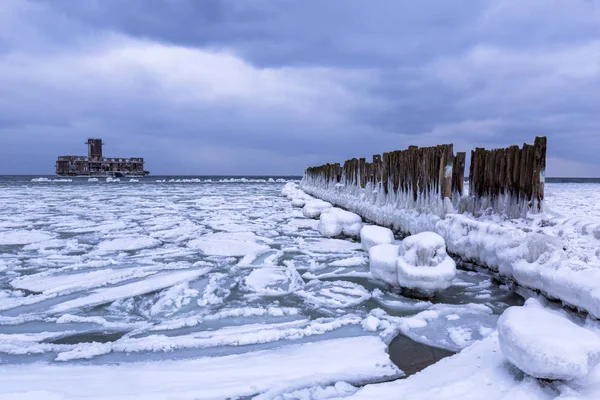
270,87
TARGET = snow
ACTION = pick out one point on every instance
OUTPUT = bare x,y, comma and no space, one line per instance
423,265
338,222
479,372
547,345
383,259
372,235
314,208
351,360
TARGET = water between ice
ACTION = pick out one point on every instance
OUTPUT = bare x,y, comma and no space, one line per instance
105,272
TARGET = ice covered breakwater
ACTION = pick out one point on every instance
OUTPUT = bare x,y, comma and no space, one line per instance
420,190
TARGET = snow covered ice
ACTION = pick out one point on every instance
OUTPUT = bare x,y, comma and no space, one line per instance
418,264
545,344
423,265
372,235
180,288
383,260
314,208
336,222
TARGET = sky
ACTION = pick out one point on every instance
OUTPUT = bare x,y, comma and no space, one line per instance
270,87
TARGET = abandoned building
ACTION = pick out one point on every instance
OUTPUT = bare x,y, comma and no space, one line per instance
95,164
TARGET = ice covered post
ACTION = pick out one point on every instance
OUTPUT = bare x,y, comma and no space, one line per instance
508,181
415,178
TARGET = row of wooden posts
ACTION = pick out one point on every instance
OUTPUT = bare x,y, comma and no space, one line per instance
437,172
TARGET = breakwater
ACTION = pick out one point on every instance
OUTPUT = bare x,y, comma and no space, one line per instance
420,189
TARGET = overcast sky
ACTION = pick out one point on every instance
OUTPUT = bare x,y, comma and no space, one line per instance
273,86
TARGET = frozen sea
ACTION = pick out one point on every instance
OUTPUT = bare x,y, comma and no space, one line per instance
211,287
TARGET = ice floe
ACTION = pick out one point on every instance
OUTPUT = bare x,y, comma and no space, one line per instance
129,290
23,237
235,244
352,360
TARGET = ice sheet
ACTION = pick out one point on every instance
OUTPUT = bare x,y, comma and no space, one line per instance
354,360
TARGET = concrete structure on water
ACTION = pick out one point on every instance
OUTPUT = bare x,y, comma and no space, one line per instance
95,164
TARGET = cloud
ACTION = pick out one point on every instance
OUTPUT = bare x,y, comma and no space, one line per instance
263,87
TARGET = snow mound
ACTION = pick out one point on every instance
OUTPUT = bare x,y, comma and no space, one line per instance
298,202
298,197
546,345
314,208
424,266
338,222
372,235
289,190
382,262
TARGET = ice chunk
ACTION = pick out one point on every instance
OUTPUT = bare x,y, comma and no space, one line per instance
329,246
298,202
273,281
21,237
355,360
66,283
449,327
372,235
152,284
314,208
424,266
128,244
336,294
338,222
228,244
546,345
382,262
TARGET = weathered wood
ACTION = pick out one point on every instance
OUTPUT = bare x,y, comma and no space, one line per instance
458,174
539,171
510,177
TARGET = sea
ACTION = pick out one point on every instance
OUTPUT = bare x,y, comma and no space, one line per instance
167,270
